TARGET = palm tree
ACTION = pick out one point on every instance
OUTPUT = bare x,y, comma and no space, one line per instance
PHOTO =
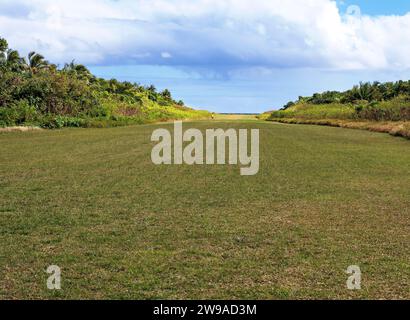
13,60
10,59
166,94
79,70
152,88
35,62
364,91
3,48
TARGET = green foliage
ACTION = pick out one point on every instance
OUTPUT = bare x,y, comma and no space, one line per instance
35,92
58,122
19,112
396,109
3,45
310,111
368,101
369,92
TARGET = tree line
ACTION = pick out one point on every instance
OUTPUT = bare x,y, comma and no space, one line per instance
34,91
363,93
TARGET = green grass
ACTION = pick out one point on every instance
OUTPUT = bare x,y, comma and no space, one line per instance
91,201
229,117
311,111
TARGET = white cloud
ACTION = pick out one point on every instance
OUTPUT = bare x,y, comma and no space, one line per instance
231,33
166,55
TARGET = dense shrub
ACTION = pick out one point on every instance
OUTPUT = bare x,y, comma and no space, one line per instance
375,102
35,92
396,109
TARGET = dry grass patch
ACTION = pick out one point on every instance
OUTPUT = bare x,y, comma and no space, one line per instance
20,129
401,128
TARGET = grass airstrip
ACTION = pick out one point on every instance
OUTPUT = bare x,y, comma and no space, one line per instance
91,202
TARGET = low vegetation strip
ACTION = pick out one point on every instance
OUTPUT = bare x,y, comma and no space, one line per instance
34,92
399,128
381,107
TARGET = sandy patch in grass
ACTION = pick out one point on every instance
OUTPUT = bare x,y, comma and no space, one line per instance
20,129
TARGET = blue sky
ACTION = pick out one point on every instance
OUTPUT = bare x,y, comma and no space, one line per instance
378,7
221,55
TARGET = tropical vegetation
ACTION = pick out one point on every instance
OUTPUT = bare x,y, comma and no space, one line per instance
376,106
35,92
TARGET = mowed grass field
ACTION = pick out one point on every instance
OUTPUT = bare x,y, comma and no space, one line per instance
91,202
230,117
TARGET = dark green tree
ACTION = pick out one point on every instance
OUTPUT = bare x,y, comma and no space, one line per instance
166,94
35,63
